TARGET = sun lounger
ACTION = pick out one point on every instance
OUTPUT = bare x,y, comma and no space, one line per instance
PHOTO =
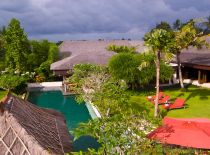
178,103
152,98
164,100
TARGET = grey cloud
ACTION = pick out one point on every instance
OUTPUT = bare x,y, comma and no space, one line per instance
15,6
200,5
89,19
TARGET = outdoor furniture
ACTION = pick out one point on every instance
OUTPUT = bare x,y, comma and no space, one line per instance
164,100
178,103
152,98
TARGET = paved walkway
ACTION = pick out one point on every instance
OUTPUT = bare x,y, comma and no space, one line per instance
45,86
206,85
195,82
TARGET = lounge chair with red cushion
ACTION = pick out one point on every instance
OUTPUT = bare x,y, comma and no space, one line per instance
164,100
152,98
178,103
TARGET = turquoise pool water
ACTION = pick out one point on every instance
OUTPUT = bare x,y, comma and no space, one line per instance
73,112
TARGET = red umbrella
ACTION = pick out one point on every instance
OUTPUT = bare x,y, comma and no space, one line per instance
193,133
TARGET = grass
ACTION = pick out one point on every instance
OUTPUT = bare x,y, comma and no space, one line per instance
197,101
2,94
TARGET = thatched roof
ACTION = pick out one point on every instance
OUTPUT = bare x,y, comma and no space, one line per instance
193,58
93,52
26,129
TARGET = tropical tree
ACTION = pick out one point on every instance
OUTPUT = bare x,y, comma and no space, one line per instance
124,66
177,24
186,36
159,41
204,25
11,82
121,49
16,46
163,25
43,54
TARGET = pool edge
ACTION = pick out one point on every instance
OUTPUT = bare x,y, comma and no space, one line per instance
93,111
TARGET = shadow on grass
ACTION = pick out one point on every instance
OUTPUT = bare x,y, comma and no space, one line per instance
190,91
191,94
197,91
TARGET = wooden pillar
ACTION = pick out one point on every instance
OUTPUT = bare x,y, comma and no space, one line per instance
204,77
199,76
64,84
65,87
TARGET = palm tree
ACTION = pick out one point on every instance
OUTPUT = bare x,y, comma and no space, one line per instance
159,41
186,36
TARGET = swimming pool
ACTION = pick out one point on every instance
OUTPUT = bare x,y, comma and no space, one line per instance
73,112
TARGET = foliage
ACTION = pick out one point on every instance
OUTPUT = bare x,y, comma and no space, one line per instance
16,46
164,25
38,55
9,81
110,97
44,69
125,66
159,40
185,36
121,49
177,24
39,78
53,53
80,73
96,85
147,69
204,25
118,134
42,56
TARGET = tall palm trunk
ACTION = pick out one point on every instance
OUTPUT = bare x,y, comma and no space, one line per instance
157,82
179,70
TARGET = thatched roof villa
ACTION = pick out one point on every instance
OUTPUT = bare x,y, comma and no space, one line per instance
93,52
26,129
195,62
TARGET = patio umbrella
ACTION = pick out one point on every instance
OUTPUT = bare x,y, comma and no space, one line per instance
193,133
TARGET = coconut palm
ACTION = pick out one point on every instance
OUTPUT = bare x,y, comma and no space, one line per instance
159,42
186,36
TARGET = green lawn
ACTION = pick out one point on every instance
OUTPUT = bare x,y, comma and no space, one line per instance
2,94
197,101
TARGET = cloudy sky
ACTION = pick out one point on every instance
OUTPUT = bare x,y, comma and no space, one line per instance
93,19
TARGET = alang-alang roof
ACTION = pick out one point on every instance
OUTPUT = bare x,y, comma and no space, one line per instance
93,52
26,129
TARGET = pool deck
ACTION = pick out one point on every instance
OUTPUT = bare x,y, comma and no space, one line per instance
44,86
